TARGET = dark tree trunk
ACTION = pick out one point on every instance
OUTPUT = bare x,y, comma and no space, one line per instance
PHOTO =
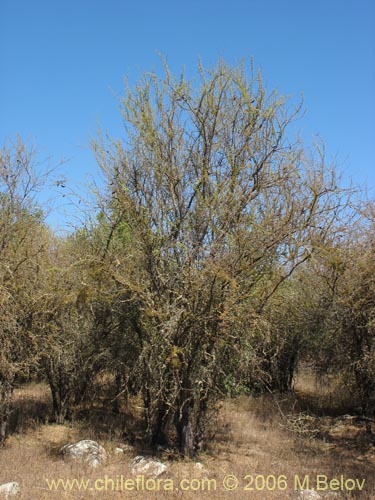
159,429
59,392
119,387
190,422
6,392
188,432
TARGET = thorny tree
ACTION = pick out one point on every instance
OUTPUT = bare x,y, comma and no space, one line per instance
340,316
218,208
23,242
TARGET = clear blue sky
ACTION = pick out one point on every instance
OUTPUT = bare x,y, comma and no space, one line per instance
60,63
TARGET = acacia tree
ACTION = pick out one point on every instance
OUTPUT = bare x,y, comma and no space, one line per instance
341,314
62,322
23,243
72,318
356,303
219,207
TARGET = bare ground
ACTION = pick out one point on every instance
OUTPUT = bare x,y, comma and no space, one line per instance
270,445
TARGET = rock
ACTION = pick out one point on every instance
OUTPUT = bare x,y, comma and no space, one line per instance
9,489
146,465
123,448
86,451
200,467
308,495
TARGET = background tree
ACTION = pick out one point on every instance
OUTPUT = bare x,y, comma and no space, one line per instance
340,314
23,244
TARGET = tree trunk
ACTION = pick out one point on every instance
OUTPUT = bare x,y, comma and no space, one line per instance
190,423
188,433
119,387
6,391
59,393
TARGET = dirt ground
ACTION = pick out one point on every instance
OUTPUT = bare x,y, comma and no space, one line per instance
269,447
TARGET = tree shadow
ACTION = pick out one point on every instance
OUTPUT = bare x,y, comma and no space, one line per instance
29,411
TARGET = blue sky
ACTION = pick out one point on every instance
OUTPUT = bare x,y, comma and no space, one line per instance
62,62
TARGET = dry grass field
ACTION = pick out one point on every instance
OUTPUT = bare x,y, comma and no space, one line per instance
261,448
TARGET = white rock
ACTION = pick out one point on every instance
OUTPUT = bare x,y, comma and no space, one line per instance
308,495
87,451
200,467
9,489
146,465
122,448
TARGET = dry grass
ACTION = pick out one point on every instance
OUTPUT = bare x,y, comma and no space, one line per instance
249,437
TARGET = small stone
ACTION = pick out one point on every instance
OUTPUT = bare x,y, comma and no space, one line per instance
124,448
308,495
146,465
200,467
9,489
